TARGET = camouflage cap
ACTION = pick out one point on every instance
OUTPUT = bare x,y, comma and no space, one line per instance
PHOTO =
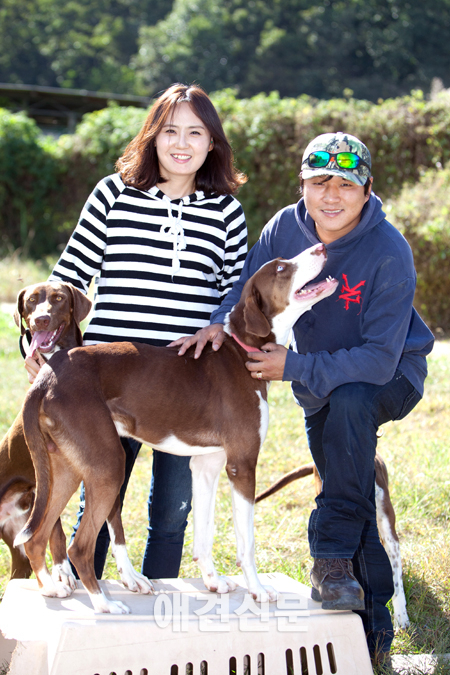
334,143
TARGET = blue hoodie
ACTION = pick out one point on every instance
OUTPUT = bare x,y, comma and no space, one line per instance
364,331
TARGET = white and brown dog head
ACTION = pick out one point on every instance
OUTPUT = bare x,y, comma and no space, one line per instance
52,312
274,298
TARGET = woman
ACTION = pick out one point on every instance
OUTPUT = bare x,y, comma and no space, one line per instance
167,239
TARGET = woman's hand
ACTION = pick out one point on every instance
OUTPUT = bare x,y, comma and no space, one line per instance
213,333
33,366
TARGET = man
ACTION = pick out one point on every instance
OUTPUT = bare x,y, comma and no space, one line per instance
357,360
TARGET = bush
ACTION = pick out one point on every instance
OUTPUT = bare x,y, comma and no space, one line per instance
89,155
102,136
422,213
44,182
269,135
29,178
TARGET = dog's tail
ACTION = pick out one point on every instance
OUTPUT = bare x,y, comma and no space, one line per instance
39,454
305,470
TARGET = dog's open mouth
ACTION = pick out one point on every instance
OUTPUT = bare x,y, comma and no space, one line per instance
312,290
45,341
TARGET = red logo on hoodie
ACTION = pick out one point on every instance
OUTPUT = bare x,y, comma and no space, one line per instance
350,294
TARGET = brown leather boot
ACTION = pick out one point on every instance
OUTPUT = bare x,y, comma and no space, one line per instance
335,585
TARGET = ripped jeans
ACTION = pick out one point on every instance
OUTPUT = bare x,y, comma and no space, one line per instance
169,503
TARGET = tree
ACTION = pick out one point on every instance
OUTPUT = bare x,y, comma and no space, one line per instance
79,43
376,48
210,42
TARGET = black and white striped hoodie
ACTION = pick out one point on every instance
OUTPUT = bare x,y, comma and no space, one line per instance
163,265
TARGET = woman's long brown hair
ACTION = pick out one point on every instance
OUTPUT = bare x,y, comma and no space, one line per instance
139,166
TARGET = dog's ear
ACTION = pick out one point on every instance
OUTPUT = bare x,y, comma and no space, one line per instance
18,312
255,321
81,306
80,303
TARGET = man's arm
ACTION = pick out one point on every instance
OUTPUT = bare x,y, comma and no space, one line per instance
385,329
259,254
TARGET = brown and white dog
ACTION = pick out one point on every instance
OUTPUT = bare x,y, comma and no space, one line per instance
52,313
385,522
208,408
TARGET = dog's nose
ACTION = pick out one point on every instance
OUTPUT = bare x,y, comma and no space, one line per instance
42,322
319,249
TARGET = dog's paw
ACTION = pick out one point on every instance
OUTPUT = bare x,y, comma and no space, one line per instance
264,594
134,581
137,583
231,585
401,619
117,607
55,589
104,606
220,585
401,622
63,572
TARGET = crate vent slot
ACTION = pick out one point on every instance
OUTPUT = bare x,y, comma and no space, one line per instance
331,657
261,664
303,661
318,660
289,662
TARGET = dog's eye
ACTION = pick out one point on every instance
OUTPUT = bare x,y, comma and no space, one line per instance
31,299
280,268
59,298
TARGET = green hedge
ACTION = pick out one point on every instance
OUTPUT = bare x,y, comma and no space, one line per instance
30,175
269,136
422,213
44,182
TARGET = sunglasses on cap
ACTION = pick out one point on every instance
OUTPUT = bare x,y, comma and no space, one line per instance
344,160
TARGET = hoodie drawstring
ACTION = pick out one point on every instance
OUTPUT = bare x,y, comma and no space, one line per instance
175,230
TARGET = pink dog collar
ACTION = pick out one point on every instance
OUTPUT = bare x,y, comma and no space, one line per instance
244,346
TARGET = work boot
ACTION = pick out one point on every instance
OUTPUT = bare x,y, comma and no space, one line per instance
335,585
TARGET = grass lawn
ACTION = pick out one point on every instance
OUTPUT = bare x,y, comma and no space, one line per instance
416,451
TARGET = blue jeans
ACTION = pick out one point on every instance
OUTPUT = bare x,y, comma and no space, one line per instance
342,439
169,503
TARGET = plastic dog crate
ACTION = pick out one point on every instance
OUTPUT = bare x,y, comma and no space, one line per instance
181,630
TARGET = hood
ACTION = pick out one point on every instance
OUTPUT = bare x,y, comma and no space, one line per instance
372,215
159,195
173,229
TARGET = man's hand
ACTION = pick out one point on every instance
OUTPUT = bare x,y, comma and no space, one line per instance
33,366
213,333
269,364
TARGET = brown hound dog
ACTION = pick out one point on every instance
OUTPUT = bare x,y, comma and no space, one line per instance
385,522
208,408
52,313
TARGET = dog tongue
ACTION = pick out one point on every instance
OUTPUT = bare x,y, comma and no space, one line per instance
39,337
